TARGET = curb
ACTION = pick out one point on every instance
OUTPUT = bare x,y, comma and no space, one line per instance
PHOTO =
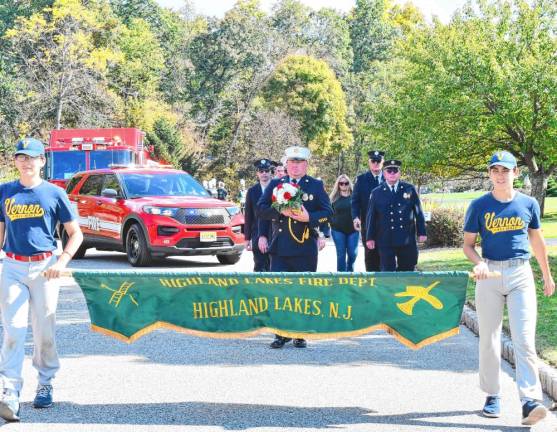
548,374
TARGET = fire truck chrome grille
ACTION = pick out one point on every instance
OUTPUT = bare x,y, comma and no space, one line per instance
202,216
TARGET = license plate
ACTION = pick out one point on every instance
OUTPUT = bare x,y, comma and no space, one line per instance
208,236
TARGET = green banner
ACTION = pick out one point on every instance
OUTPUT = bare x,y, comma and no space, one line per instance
417,308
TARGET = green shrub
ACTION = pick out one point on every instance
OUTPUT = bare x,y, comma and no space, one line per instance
519,183
445,227
551,187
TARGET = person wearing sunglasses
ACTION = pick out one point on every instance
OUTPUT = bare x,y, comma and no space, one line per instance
30,210
252,232
394,216
508,224
365,183
295,240
342,227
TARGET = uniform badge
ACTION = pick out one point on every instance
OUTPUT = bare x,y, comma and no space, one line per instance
407,195
305,197
311,197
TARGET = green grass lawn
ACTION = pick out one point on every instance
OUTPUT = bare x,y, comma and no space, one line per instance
546,337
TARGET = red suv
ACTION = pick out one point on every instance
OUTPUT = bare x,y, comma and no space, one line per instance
153,212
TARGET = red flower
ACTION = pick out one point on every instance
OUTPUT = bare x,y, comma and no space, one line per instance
279,186
287,195
274,198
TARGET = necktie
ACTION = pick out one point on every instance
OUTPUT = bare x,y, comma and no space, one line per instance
294,181
393,190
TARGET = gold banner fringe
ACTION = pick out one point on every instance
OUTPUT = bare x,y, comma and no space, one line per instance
310,336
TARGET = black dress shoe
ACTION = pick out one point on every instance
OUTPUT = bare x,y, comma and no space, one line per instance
300,343
279,341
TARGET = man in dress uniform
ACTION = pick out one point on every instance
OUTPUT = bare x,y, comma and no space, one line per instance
394,215
365,183
293,245
251,225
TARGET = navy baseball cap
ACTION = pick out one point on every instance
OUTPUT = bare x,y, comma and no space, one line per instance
29,146
503,158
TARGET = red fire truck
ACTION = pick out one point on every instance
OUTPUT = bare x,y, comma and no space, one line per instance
74,150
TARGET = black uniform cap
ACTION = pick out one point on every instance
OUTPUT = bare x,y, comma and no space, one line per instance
376,155
263,164
392,163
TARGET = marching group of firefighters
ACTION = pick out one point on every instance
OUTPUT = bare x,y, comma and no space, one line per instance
386,213
381,209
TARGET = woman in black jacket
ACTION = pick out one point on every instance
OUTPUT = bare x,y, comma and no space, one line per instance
342,228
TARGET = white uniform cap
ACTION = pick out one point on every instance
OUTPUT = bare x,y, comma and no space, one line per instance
297,153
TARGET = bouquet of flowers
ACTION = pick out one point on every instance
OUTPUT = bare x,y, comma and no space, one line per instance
287,196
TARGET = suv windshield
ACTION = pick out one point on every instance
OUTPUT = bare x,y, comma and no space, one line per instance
162,184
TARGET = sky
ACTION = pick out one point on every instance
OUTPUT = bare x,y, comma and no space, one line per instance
442,8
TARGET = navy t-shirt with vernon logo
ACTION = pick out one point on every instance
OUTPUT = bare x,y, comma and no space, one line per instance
503,226
31,215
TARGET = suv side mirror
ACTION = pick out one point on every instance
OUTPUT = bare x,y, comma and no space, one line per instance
109,193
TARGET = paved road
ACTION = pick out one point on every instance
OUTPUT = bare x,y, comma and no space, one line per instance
172,382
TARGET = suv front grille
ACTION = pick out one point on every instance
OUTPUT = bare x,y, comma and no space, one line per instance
203,216
194,243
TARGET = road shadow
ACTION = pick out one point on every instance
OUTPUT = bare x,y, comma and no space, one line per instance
245,416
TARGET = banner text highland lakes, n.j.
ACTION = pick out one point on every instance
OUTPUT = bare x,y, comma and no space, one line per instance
224,308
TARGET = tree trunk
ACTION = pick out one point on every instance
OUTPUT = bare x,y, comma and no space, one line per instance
539,186
59,114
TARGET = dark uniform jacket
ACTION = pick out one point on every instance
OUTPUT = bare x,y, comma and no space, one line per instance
251,223
365,183
392,219
287,238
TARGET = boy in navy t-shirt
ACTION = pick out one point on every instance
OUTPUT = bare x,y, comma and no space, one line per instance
30,209
508,222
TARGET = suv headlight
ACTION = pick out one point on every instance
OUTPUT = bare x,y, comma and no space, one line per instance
163,211
233,210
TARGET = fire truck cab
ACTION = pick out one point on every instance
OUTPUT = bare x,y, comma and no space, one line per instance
74,150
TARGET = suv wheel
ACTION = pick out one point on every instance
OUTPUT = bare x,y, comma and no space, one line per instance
229,259
136,247
80,252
